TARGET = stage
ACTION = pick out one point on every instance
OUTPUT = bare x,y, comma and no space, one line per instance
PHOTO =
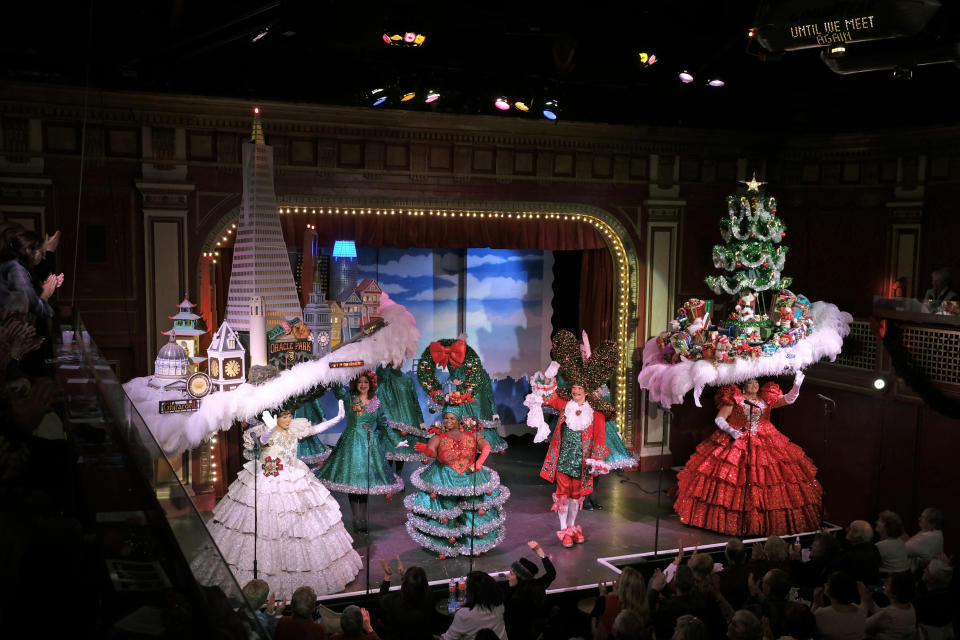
622,532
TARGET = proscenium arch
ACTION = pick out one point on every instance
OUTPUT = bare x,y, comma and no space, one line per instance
623,255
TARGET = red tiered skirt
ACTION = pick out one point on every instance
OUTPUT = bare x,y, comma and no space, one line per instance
783,495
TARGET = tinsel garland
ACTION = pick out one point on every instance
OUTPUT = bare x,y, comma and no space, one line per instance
427,371
905,367
756,263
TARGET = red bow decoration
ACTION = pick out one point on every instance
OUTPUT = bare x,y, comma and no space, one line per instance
452,356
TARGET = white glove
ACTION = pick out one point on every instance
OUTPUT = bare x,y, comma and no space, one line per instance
326,424
791,396
724,426
403,443
552,370
496,417
532,400
271,422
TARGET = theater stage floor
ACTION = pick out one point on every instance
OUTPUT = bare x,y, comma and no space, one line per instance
625,526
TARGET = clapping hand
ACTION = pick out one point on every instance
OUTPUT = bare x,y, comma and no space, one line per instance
658,581
536,548
273,608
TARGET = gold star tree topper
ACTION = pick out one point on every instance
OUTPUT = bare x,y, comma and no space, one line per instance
753,184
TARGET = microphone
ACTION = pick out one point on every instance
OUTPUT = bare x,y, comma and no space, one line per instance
752,404
826,399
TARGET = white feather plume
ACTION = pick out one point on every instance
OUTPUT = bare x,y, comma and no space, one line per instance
669,383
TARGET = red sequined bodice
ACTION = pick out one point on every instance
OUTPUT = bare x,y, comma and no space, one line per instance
457,453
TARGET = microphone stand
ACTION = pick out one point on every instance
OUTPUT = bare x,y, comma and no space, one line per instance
256,472
748,487
473,502
828,406
365,510
667,415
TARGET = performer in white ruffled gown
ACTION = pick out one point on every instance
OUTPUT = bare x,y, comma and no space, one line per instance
301,540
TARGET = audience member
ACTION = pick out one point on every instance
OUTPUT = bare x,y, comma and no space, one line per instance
354,625
744,625
770,599
842,619
929,541
690,627
630,625
300,625
941,289
408,614
685,600
860,558
525,597
825,553
772,554
483,608
630,592
896,621
264,610
934,602
733,577
893,550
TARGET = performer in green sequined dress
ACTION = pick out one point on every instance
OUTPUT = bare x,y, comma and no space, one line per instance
358,465
311,450
398,396
459,508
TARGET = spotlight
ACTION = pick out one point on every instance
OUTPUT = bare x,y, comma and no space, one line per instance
836,51
715,82
550,109
879,384
751,33
408,39
432,96
502,103
378,96
521,106
685,77
408,96
647,59
261,35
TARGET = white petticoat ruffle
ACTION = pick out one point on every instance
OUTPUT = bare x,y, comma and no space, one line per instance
301,539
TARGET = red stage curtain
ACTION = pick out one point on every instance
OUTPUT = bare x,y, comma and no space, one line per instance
596,293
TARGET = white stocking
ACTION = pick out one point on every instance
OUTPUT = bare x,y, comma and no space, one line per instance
573,506
562,512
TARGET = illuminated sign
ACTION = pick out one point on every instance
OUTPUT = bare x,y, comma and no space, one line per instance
290,345
179,406
346,363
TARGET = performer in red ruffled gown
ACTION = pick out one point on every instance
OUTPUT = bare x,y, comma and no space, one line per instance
782,495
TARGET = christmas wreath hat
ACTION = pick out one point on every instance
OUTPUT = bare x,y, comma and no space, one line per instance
590,374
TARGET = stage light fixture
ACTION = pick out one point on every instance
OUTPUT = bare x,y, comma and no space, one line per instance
647,59
879,384
550,110
685,77
903,73
836,51
408,96
261,35
502,103
408,39
432,96
521,106
378,96
715,82
751,32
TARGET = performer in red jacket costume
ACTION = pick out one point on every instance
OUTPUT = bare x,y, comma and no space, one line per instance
577,445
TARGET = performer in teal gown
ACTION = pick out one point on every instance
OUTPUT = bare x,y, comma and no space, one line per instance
467,384
311,450
459,508
358,465
398,397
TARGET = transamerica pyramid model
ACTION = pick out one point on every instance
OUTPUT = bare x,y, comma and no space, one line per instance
261,266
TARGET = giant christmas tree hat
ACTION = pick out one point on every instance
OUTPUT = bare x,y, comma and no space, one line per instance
591,374
754,339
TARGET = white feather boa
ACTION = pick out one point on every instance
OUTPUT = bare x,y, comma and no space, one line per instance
395,342
669,383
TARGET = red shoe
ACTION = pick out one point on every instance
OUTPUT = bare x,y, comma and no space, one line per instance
565,539
577,534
